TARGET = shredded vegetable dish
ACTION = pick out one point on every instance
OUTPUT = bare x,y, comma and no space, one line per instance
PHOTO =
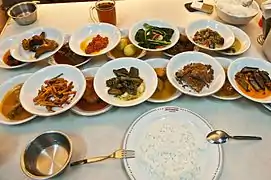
55,92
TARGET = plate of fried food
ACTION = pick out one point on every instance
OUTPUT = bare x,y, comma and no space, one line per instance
251,78
125,82
37,44
52,90
95,39
195,73
210,35
6,60
90,104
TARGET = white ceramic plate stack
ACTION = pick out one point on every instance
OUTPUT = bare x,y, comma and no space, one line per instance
5,88
161,63
90,72
242,37
222,29
158,23
30,88
237,65
180,60
170,143
225,62
20,54
5,45
146,72
92,30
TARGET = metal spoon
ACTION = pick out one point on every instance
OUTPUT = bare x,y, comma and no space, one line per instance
220,137
247,4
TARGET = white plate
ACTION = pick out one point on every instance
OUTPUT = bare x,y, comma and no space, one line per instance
51,60
90,72
92,30
139,25
267,106
26,56
161,63
146,72
180,60
225,62
5,45
239,64
7,86
168,130
33,84
222,29
243,38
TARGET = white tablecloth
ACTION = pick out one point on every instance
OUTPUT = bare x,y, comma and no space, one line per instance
98,135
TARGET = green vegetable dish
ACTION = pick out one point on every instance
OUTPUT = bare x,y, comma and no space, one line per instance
153,37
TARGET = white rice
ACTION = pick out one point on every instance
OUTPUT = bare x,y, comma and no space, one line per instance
235,8
169,150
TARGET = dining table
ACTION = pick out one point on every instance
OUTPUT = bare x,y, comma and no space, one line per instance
102,134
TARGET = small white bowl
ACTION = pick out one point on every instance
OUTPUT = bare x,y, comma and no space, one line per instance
161,63
7,86
236,20
92,30
5,45
222,29
146,72
159,23
52,61
180,60
237,65
20,54
225,62
90,72
242,37
30,88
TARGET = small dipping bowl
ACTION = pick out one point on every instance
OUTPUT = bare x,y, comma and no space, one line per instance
47,155
24,13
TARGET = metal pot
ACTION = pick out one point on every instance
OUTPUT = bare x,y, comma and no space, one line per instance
46,156
24,13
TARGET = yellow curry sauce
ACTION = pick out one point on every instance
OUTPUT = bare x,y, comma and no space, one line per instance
164,89
9,104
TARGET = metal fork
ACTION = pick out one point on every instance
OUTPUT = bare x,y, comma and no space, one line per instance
118,154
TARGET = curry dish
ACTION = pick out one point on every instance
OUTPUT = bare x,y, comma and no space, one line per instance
227,90
11,107
90,100
164,88
9,60
254,82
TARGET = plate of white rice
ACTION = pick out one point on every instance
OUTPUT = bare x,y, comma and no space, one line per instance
170,144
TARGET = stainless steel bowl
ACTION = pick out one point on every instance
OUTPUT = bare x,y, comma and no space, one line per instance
24,13
47,155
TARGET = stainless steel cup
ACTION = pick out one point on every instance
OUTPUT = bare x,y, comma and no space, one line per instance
46,156
24,13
